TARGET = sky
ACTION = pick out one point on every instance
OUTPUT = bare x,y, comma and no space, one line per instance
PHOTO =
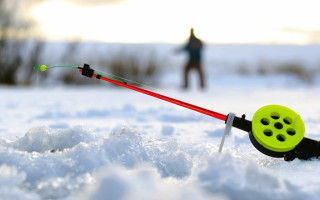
169,21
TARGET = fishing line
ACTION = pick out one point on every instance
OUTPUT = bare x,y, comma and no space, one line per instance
97,72
44,68
131,81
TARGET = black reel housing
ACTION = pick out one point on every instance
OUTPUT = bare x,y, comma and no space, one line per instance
305,150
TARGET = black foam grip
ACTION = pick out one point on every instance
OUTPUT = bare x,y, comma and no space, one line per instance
242,123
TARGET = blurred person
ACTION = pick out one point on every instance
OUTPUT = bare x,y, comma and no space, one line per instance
194,49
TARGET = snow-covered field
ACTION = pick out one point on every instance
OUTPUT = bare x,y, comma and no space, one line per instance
110,143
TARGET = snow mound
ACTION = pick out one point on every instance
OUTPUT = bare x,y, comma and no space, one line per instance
42,139
142,182
219,176
128,165
12,184
236,178
167,130
56,174
131,148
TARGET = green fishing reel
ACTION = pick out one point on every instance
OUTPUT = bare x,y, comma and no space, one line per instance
278,131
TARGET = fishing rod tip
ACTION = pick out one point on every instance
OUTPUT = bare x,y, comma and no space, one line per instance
43,68
37,67
40,67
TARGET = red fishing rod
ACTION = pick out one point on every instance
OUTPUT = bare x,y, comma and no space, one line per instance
87,71
275,130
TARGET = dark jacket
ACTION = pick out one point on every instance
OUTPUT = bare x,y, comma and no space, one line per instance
194,47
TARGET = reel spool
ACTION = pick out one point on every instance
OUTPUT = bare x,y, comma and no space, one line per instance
276,130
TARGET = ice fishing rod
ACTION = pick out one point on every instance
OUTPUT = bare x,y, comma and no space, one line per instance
275,130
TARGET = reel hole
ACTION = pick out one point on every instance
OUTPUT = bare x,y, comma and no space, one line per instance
287,120
267,132
291,131
275,115
265,121
281,138
278,125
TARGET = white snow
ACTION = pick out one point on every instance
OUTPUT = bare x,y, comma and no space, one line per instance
101,142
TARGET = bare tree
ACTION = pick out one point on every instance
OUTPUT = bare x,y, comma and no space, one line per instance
13,28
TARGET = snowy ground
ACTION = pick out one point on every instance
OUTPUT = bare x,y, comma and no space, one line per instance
109,143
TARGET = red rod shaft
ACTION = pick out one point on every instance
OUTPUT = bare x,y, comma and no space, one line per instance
169,99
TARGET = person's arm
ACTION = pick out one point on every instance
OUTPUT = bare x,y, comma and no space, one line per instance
186,47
